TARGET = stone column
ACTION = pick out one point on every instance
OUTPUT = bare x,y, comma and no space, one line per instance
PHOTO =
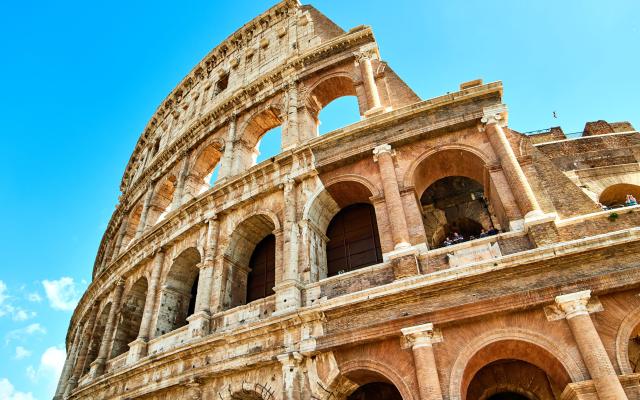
199,322
227,156
288,290
421,339
138,348
145,211
518,182
68,365
85,341
121,233
97,367
182,177
291,135
291,387
369,80
605,380
383,155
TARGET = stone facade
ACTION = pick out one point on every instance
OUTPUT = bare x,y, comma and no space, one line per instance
548,307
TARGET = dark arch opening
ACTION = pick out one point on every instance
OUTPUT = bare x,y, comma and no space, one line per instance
507,396
455,205
262,274
376,391
354,241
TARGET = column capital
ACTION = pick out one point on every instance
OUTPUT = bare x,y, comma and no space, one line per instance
494,115
290,360
381,149
572,305
420,336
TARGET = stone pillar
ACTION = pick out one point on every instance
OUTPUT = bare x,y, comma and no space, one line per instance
199,322
291,377
288,290
227,156
68,365
97,367
421,339
85,341
182,177
145,211
291,135
369,80
518,182
118,245
383,155
605,380
138,348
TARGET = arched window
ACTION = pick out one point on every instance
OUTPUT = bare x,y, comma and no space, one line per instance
455,205
249,261
130,318
338,113
178,295
262,276
353,239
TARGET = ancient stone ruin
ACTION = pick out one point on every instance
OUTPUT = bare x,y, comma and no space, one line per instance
425,252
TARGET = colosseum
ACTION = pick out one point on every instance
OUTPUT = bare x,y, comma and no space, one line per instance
425,252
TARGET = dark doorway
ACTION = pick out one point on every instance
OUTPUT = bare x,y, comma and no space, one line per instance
508,396
262,277
376,391
353,239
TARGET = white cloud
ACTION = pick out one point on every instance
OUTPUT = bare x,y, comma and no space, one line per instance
22,333
50,368
21,353
8,392
6,308
62,294
34,297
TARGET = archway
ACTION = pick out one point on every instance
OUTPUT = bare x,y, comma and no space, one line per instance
161,200
376,391
455,205
511,368
615,195
250,261
255,130
179,292
461,171
130,318
325,92
340,229
96,337
200,175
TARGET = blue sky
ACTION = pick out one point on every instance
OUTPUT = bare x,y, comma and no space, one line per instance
81,80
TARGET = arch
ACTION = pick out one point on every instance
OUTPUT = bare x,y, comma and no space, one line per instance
627,327
244,239
97,336
455,205
531,347
161,200
337,194
325,91
263,120
198,179
443,161
362,372
130,317
615,195
178,292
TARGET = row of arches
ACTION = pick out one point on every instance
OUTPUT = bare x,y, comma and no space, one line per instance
260,138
